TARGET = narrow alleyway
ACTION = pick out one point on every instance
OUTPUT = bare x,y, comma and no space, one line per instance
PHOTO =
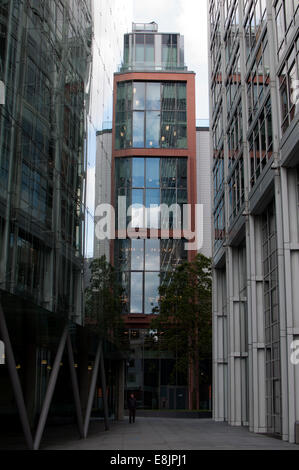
167,434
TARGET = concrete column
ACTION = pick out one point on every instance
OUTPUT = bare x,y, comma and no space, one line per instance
290,225
219,346
256,346
237,352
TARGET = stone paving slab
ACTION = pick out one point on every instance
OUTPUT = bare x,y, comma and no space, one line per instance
165,434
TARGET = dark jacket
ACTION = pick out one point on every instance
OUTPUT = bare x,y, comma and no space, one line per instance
132,403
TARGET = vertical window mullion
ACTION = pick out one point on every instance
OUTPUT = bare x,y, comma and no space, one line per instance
145,113
144,198
143,279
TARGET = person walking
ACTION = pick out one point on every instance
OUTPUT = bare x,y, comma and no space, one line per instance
132,408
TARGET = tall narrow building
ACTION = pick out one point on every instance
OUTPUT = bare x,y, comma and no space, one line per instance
153,163
253,51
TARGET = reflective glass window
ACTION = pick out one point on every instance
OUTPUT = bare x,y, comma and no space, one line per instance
172,253
182,196
136,292
137,209
182,99
153,172
137,196
168,96
138,129
168,196
137,255
152,255
182,173
122,255
151,291
163,118
139,39
123,172
168,173
152,129
139,95
153,98
152,202
149,49
138,172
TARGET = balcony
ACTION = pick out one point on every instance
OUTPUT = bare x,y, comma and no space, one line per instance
145,27
150,67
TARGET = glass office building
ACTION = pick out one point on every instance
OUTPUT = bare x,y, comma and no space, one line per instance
253,51
52,91
153,165
45,61
45,67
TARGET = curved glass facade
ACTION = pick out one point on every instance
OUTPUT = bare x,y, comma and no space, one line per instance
151,115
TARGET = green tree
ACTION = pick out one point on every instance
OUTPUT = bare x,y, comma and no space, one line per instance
103,301
184,320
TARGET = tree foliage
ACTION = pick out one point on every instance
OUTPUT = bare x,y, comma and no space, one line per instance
103,301
185,311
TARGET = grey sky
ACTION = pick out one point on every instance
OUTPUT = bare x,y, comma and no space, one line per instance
188,17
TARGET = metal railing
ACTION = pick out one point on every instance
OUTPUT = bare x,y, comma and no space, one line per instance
151,68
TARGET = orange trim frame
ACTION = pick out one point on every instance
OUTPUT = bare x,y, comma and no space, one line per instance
190,152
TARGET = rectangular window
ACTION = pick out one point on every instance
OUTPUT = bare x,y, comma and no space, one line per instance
138,129
153,98
153,113
152,203
151,291
138,172
152,255
153,172
137,255
151,182
139,48
136,293
139,95
288,78
150,49
152,131
139,264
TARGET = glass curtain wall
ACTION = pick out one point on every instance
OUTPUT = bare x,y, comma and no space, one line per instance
141,266
44,55
151,115
147,183
153,51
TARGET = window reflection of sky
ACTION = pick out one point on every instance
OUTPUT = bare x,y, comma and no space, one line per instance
111,21
140,263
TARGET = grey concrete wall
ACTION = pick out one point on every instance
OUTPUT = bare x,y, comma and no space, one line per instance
239,340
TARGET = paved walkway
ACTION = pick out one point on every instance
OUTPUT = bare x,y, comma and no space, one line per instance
165,434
